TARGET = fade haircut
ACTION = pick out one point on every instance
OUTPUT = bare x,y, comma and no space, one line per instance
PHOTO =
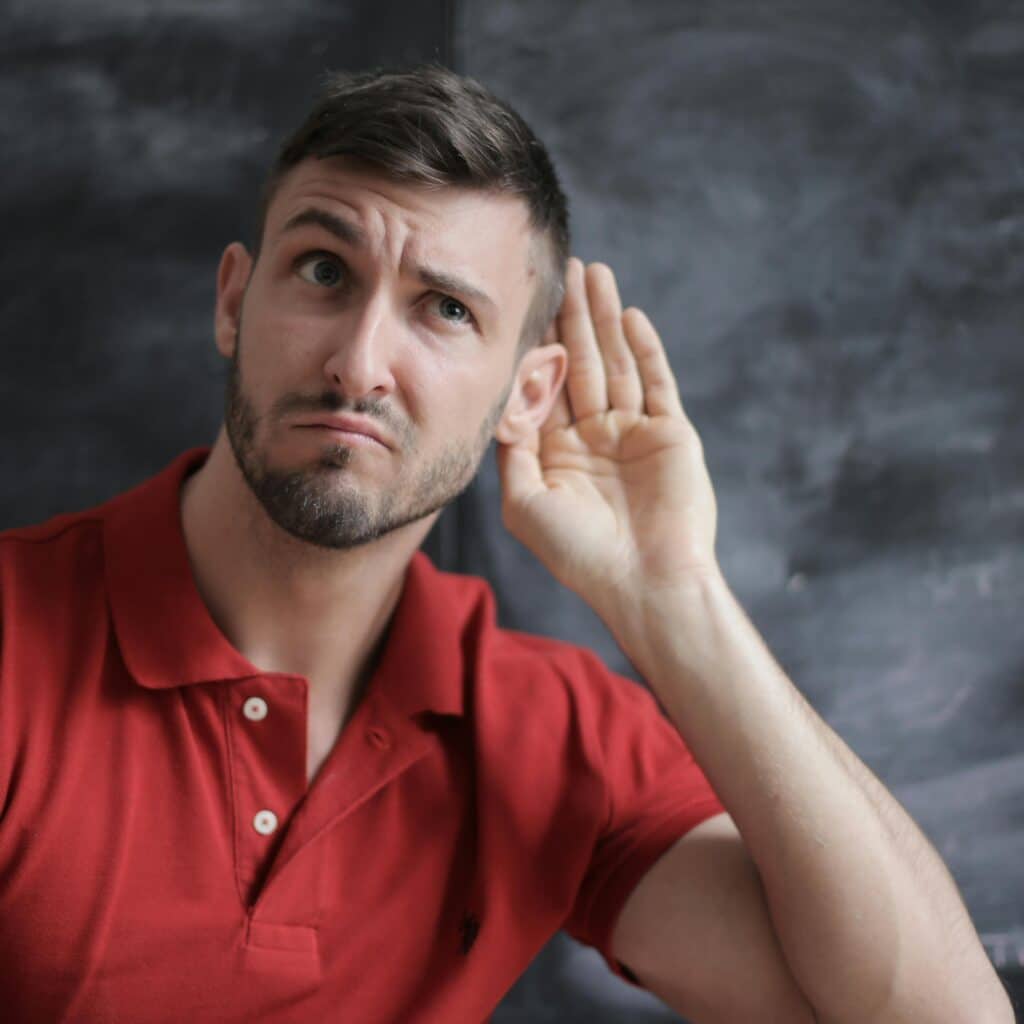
429,126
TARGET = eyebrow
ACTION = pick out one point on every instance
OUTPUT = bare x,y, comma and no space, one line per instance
349,233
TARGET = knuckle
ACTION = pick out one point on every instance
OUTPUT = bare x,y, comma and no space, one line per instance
620,365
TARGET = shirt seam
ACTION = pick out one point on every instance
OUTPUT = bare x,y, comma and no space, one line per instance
229,747
253,943
15,534
698,812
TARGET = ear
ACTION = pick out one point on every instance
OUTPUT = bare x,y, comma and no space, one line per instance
232,277
536,387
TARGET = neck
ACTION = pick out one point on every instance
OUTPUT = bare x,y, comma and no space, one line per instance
287,605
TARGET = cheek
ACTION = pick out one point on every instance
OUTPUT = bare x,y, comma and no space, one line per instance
449,399
422,390
277,346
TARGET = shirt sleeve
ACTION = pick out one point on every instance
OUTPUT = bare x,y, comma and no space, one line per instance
655,793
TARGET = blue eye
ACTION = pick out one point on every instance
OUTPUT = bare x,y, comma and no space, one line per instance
449,302
320,269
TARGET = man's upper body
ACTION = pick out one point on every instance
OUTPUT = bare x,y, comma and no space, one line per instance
164,857
388,326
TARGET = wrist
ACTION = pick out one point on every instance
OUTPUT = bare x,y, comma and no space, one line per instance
681,618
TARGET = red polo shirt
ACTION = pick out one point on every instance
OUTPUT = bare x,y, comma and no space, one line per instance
162,858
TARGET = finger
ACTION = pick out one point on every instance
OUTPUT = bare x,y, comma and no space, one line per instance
622,378
661,392
585,379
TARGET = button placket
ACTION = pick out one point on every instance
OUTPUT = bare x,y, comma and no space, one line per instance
268,726
265,822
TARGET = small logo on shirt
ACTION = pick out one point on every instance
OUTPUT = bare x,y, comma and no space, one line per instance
470,929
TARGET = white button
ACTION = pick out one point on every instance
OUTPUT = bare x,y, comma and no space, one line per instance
255,709
265,822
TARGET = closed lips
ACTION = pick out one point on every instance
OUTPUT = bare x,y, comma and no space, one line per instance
349,426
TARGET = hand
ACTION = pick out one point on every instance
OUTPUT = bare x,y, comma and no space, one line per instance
611,493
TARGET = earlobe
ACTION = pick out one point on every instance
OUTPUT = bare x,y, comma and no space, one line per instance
232,277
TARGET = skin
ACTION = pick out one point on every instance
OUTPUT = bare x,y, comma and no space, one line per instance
846,912
317,324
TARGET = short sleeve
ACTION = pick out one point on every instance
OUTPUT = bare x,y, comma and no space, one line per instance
655,793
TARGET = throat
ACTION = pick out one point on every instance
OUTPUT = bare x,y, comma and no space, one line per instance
327,717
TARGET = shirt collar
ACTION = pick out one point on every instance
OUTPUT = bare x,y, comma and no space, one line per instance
167,637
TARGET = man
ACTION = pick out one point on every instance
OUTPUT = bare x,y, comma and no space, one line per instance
259,760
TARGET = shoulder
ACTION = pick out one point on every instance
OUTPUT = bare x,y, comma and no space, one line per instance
580,671
52,603
471,600
51,585
50,548
516,658
69,535
545,688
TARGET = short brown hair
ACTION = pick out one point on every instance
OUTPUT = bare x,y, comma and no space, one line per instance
430,126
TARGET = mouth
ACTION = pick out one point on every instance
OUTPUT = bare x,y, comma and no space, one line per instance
350,429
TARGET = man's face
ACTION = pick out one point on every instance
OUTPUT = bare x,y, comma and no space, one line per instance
340,317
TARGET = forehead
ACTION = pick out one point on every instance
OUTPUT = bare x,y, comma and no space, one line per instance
485,234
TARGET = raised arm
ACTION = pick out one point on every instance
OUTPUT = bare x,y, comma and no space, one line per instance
851,913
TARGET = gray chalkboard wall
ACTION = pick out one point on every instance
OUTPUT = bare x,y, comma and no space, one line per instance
134,136
820,204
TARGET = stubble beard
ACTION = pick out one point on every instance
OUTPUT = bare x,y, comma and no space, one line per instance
318,504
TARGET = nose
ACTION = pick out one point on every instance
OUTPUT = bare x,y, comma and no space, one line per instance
362,348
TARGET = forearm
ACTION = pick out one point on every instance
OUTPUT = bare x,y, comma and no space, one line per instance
868,917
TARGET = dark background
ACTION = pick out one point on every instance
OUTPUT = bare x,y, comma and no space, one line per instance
820,205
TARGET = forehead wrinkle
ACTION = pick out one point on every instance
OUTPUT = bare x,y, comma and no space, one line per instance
374,227
352,234
412,224
319,204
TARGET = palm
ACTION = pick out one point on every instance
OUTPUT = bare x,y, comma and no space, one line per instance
612,488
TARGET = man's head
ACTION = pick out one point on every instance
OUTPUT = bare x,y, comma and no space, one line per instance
429,126
410,257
